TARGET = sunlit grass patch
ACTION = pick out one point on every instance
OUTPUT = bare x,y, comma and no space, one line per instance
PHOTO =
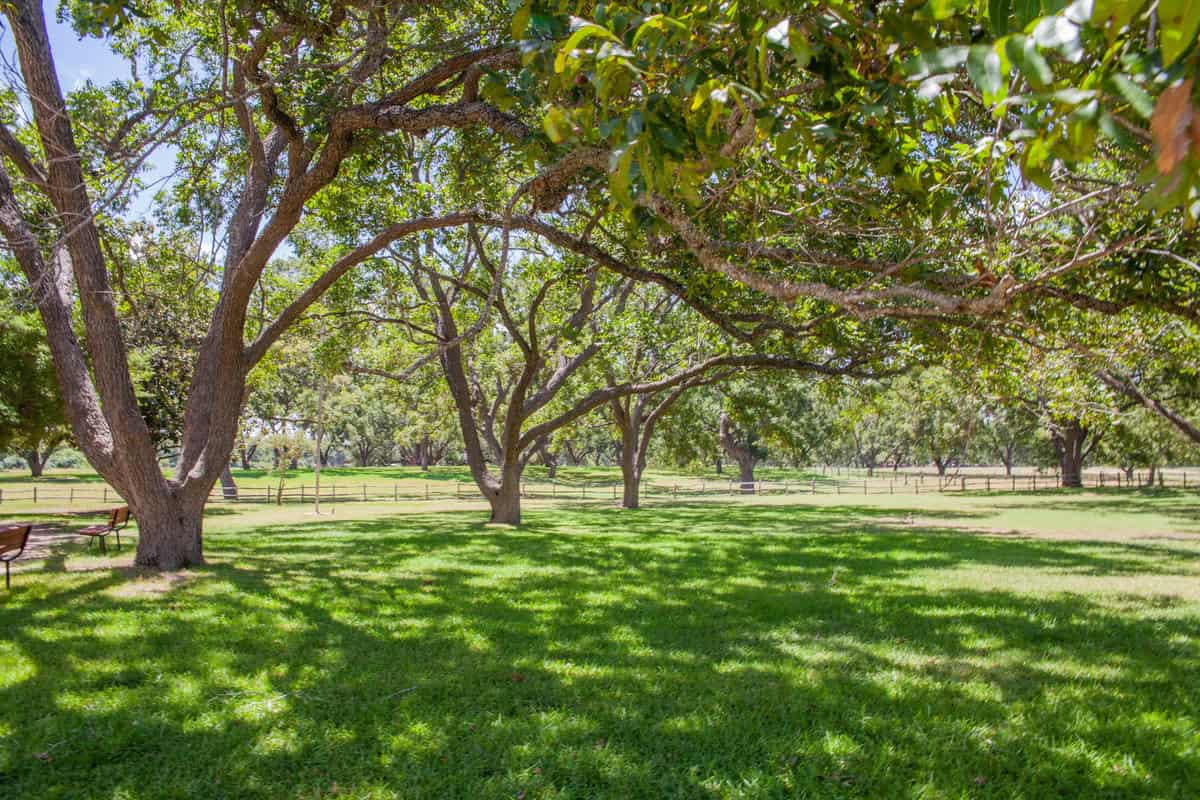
700,650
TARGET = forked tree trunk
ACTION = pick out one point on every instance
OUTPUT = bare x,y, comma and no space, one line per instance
739,451
36,463
504,496
1070,439
170,532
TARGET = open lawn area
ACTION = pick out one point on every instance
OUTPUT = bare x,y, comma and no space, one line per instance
1024,646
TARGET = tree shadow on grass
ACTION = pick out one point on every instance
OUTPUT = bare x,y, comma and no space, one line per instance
673,653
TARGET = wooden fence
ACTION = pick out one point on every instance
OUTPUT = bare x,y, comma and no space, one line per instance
881,483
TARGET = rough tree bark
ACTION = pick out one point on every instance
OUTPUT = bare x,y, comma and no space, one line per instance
1073,443
738,451
95,379
636,425
36,462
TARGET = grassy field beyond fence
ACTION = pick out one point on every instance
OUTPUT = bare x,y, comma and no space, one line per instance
82,489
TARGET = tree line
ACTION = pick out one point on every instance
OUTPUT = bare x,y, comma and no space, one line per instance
559,209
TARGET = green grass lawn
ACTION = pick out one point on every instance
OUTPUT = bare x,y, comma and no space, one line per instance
935,647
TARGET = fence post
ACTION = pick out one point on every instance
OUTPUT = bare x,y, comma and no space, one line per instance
364,488
71,497
988,484
964,485
333,493
457,490
302,500
864,486
35,494
614,491
814,486
675,492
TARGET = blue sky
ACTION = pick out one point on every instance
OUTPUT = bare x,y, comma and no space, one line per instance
79,60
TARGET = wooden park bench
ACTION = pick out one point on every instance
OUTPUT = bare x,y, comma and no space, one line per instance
118,518
13,539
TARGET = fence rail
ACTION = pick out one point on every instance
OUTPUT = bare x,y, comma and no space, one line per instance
897,483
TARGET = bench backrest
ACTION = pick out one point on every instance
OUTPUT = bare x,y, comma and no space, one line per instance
13,539
119,517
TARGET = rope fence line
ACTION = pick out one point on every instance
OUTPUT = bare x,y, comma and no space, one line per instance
599,490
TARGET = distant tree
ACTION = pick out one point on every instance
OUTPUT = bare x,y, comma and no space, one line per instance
32,422
1141,439
938,414
1005,431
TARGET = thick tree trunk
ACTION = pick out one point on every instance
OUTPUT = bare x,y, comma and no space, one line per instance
36,463
719,466
1070,440
505,496
1006,455
423,451
746,474
743,454
942,464
631,477
170,532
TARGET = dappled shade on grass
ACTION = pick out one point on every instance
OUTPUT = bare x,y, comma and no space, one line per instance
692,651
